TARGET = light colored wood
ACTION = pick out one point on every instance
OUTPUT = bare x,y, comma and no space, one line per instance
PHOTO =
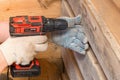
66,9
53,51
49,71
89,66
117,3
71,66
110,18
100,21
27,7
75,6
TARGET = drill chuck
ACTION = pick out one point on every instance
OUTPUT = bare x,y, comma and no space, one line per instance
54,24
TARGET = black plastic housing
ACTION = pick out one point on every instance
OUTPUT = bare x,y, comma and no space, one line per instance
51,24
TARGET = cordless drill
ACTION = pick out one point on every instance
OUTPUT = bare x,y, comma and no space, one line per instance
29,26
35,25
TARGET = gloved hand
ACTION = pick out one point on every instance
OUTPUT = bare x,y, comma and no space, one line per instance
22,49
73,38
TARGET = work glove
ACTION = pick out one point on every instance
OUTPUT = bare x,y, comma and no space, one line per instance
23,49
73,38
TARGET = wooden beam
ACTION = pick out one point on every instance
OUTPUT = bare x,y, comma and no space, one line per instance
117,3
97,19
89,66
75,6
28,7
71,66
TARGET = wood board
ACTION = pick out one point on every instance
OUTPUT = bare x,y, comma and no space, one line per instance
101,21
71,66
88,64
28,7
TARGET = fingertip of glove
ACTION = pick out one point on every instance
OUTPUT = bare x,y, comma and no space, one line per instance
83,52
86,46
85,40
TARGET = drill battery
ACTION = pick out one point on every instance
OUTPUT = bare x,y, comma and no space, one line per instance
30,70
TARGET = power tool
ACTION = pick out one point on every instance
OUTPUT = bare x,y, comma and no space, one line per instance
35,25
29,26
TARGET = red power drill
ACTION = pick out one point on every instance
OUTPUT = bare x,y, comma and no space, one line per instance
29,26
35,25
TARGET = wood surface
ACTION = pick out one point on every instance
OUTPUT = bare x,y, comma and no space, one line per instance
101,21
88,64
71,66
116,3
28,7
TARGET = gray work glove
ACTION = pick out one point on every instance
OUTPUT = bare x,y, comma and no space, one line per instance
73,38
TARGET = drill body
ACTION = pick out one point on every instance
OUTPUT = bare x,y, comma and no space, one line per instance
35,25
29,26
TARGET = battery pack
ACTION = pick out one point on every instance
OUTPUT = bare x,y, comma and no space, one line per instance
31,70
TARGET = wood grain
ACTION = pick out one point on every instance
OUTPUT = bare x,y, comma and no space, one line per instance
88,64
27,7
100,37
71,66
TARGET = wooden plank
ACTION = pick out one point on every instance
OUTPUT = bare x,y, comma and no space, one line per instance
66,9
28,7
74,4
117,3
65,76
102,41
89,66
49,71
71,65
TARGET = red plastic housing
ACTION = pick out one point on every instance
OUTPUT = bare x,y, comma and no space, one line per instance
26,25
